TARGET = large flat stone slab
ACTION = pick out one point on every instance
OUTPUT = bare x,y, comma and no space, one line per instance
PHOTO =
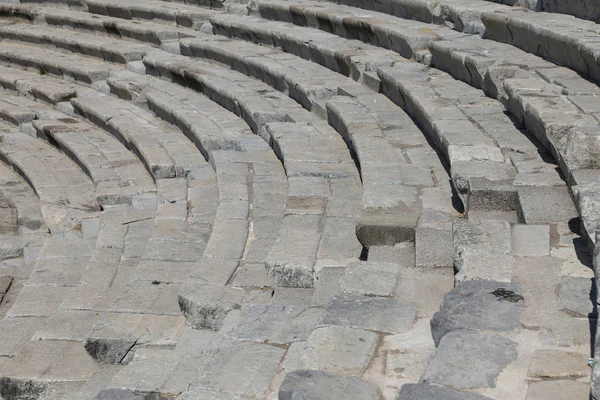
320,385
467,359
205,306
374,313
340,350
485,305
276,324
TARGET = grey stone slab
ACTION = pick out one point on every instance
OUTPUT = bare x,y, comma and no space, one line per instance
466,359
338,350
483,305
275,324
560,329
555,364
546,205
205,306
578,296
243,369
373,313
321,385
531,240
557,389
411,391
370,278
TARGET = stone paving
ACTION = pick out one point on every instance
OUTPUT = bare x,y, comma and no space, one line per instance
276,199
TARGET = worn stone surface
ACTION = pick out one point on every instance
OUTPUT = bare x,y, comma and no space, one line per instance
481,305
313,385
340,350
467,359
205,306
412,391
558,364
373,313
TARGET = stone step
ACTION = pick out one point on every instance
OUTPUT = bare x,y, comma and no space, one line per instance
106,49
156,10
164,150
117,174
20,197
66,193
55,63
585,9
150,32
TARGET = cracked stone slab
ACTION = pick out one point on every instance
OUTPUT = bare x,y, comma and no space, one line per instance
321,385
483,305
467,359
339,350
374,313
275,324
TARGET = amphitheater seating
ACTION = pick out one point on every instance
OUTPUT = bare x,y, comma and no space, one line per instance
292,199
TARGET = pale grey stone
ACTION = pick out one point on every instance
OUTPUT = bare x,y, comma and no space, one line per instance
373,313
531,240
321,385
483,305
578,296
205,306
557,389
558,364
370,278
275,324
466,359
339,350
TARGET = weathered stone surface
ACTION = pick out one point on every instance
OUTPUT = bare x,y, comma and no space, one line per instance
205,306
370,278
275,324
340,350
578,296
320,385
421,391
466,359
478,305
557,390
558,364
238,369
531,240
373,313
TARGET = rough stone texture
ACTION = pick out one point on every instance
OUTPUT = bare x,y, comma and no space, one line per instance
320,385
339,350
481,305
412,391
577,296
466,359
370,278
373,313
205,306
555,390
553,364
275,324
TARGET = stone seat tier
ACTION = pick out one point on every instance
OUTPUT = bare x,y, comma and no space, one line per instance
164,150
390,200
117,174
487,140
270,114
91,45
503,71
45,61
144,31
585,9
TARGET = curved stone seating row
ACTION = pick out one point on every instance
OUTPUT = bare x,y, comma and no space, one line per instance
40,87
117,174
327,161
488,142
55,63
165,151
503,72
82,21
90,45
586,9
